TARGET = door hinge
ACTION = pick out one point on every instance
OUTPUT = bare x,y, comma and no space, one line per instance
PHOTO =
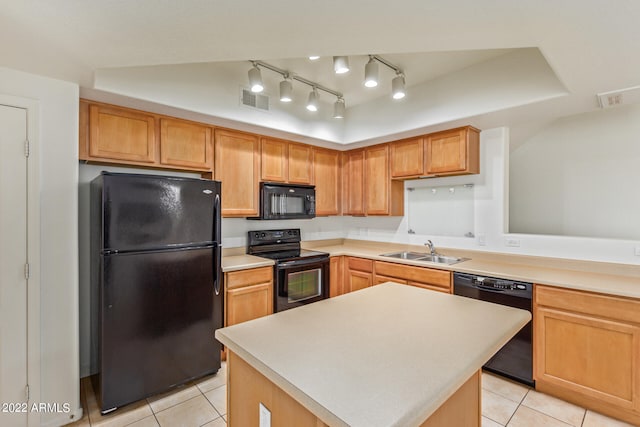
26,271
26,392
26,148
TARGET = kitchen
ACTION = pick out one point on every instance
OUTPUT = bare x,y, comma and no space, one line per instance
55,144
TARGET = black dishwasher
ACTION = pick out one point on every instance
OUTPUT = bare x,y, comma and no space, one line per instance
515,359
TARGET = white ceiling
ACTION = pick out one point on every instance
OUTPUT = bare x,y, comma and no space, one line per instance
590,46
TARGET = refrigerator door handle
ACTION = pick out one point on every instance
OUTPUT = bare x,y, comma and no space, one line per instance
217,264
217,218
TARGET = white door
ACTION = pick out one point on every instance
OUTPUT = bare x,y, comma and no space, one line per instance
13,257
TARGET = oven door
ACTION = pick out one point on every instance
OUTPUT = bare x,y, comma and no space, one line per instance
301,282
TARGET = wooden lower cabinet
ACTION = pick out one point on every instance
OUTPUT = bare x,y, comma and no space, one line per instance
336,276
358,274
422,277
248,294
587,350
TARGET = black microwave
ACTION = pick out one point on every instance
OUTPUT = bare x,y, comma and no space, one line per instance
287,201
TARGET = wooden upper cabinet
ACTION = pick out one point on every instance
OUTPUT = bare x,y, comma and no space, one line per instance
121,134
353,177
185,144
300,164
274,160
237,165
283,161
407,158
382,196
326,170
453,152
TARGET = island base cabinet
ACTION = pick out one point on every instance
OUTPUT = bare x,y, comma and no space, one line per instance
587,350
247,389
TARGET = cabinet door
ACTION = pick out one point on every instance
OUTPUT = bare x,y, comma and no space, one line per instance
377,182
595,357
335,276
353,173
453,152
407,158
120,134
273,160
327,178
359,280
300,164
185,144
237,165
248,303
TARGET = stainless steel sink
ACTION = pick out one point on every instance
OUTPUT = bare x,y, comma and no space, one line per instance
406,255
423,256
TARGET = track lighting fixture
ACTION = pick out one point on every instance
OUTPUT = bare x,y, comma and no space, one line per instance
286,90
339,109
371,73
312,103
397,87
255,79
341,64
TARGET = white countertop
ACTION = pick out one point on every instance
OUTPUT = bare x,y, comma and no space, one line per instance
388,355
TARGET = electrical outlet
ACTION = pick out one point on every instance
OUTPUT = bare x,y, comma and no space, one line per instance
637,251
482,239
265,416
513,242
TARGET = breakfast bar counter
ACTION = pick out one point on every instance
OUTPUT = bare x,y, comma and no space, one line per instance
388,355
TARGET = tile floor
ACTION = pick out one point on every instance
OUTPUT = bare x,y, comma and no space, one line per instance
204,402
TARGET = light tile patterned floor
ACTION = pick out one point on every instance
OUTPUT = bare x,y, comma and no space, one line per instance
204,403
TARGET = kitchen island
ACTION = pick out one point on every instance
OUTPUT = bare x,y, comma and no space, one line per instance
389,355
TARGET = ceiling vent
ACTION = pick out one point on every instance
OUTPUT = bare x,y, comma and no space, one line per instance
619,97
254,100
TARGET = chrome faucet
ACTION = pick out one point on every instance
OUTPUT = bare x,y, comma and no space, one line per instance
432,248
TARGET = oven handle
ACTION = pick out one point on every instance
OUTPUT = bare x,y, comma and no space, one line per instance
299,263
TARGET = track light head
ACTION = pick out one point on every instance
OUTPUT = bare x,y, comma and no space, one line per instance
286,90
397,87
371,73
255,79
339,109
341,64
312,103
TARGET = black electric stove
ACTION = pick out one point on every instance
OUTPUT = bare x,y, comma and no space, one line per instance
300,276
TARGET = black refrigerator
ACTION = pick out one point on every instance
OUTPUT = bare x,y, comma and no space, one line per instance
156,255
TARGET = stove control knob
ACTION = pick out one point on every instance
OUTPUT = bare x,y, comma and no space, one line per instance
262,234
256,235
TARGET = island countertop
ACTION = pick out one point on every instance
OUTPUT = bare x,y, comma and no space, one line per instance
388,355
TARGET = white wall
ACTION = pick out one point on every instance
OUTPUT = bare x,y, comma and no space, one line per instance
58,144
491,217
579,177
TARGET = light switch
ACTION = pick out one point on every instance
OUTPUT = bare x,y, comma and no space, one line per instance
265,416
637,252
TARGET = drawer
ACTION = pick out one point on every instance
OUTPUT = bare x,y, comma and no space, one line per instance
430,287
626,309
382,279
424,275
361,264
236,279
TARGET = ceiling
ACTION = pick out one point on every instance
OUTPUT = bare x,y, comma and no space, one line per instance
491,63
